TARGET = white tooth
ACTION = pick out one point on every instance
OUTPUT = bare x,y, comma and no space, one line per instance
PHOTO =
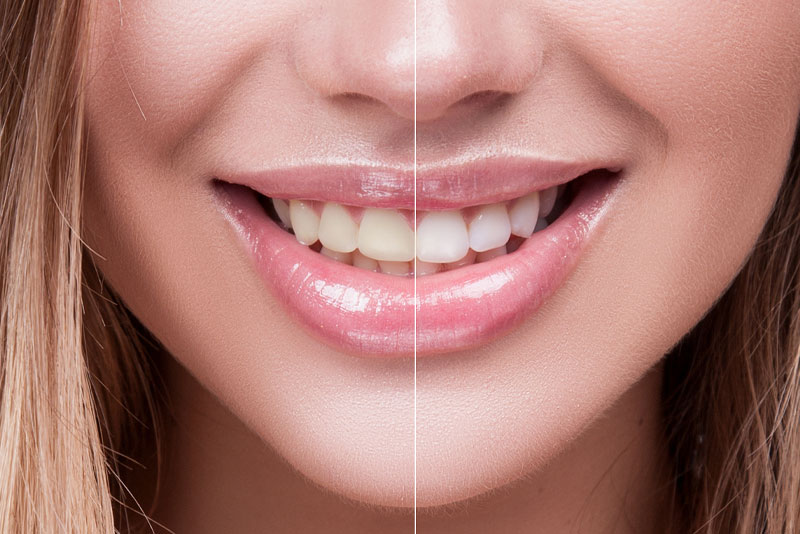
422,268
547,200
395,267
469,259
541,224
342,257
363,262
490,254
385,235
305,221
523,215
337,230
442,237
282,209
490,228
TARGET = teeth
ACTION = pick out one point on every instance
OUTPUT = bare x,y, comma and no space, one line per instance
422,268
490,254
399,268
469,259
490,228
364,262
342,257
384,240
385,235
305,221
282,209
547,199
523,215
337,230
442,237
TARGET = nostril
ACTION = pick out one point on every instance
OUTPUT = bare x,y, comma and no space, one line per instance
484,99
353,96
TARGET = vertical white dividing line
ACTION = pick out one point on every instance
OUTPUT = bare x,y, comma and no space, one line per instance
416,298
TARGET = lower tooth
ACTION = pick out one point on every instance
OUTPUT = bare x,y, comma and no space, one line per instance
342,257
400,268
490,254
364,262
421,268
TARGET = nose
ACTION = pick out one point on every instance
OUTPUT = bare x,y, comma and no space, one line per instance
450,51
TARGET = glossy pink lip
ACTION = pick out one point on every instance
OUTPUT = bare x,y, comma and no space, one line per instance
438,186
367,313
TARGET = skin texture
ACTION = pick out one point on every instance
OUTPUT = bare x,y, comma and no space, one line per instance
699,99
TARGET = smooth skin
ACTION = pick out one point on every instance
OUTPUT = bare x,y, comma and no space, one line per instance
553,426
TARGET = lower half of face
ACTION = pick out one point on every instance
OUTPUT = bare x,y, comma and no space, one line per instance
583,196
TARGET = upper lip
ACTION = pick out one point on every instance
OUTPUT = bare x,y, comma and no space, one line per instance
438,186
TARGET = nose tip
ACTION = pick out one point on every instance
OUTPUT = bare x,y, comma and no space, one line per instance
455,50
465,50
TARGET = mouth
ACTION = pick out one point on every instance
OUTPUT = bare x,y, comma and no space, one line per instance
344,250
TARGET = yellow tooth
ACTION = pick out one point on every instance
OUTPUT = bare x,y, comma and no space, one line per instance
395,267
384,235
364,262
282,209
337,230
305,221
341,257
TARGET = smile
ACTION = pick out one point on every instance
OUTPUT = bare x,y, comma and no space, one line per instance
350,258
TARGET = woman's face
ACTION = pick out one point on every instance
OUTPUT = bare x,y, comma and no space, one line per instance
695,105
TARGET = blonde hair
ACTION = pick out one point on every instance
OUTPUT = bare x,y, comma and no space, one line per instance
75,387
71,377
732,390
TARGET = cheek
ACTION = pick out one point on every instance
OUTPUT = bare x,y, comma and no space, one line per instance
164,67
723,90
723,84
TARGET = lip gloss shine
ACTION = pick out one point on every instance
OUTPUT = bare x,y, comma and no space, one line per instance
372,314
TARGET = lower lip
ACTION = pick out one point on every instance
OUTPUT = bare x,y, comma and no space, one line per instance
372,314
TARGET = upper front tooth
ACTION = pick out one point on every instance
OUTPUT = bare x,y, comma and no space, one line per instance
490,228
442,237
282,209
523,215
547,199
337,230
385,235
469,259
305,221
